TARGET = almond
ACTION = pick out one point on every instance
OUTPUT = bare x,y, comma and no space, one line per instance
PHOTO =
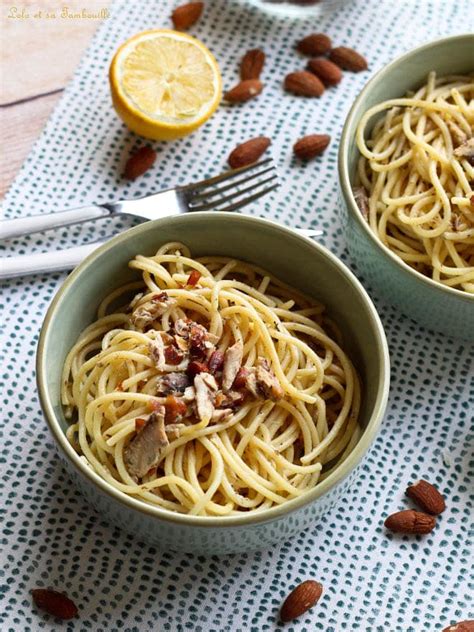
54,603
139,162
303,83
252,64
329,73
248,152
310,146
461,626
348,59
315,44
244,91
410,521
427,497
300,599
186,15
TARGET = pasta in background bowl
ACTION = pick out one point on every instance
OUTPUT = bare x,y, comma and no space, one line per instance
209,522
406,175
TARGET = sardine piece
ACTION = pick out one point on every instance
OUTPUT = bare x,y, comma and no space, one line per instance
232,362
362,200
267,382
204,404
150,311
172,383
145,449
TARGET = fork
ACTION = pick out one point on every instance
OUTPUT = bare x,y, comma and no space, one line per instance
191,197
229,191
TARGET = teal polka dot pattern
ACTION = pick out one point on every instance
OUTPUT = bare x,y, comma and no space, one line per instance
50,537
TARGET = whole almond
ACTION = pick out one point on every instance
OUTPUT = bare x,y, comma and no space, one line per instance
329,73
300,599
410,521
461,626
310,146
139,162
54,603
304,83
348,59
426,496
248,152
315,44
244,91
186,15
252,64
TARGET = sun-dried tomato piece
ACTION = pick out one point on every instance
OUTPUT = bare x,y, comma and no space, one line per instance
197,339
196,367
241,378
153,405
193,278
175,408
139,423
219,399
172,355
216,361
160,298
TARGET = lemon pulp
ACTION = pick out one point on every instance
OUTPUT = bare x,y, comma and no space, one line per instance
164,84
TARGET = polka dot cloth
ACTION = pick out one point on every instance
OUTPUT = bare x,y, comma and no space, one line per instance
51,537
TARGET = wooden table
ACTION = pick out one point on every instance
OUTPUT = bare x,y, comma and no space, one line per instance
41,46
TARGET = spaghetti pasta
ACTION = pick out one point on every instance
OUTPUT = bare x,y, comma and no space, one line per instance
216,390
417,171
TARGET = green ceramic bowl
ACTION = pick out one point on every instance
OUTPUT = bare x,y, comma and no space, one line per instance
296,260
433,305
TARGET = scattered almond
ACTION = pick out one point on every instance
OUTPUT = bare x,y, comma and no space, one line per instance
310,146
410,521
248,152
186,15
315,44
54,603
139,162
303,83
244,91
329,73
300,599
427,497
252,64
461,626
348,59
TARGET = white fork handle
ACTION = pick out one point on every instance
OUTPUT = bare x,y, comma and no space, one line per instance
37,223
53,261
21,265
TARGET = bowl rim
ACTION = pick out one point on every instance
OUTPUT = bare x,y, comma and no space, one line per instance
349,130
267,515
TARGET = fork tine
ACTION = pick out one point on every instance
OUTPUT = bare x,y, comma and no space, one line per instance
251,198
247,200
207,194
227,175
211,205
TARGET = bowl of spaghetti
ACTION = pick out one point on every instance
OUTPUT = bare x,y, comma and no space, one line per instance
406,166
212,381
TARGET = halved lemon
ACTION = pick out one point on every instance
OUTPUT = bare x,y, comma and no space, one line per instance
164,84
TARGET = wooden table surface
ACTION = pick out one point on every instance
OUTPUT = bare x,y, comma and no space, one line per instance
41,47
